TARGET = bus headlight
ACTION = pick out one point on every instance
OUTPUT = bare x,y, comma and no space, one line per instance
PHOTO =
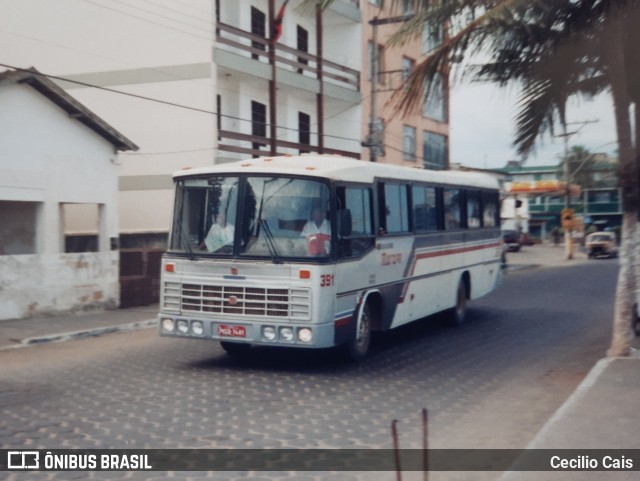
305,334
197,328
183,326
168,325
269,333
286,334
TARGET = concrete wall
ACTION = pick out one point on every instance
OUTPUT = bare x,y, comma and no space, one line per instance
36,285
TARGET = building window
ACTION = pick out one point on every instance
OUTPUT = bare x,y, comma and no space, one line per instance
377,3
434,151
408,142
302,43
18,227
258,123
408,65
259,28
80,224
304,130
433,106
219,115
432,36
407,8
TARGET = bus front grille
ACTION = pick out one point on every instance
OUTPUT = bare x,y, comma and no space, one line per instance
246,301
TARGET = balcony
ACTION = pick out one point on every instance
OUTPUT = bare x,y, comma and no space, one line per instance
305,83
307,65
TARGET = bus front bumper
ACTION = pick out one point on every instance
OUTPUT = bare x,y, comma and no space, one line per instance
249,332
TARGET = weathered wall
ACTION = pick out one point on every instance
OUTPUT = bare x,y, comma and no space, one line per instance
39,285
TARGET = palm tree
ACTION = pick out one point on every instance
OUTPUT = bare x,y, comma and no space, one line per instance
553,50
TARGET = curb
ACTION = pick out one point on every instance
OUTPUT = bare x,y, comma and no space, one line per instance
83,334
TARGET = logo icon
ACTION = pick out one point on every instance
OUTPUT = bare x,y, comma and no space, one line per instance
23,460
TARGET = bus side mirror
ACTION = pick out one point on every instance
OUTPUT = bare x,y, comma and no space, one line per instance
344,223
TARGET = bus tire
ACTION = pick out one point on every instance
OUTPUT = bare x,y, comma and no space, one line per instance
358,348
458,314
235,348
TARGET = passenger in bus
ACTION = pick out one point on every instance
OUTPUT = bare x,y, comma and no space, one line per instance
219,236
317,232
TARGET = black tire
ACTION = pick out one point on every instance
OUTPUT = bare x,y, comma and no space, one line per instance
458,314
358,348
235,348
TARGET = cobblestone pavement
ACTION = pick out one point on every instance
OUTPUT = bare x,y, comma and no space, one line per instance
491,383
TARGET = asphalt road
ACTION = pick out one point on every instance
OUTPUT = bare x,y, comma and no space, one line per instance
491,383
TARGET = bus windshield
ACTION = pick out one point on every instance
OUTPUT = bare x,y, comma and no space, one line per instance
259,216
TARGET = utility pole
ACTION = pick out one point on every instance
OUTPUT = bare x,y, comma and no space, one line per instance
373,139
568,240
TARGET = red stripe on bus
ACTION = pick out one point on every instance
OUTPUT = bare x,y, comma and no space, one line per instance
428,255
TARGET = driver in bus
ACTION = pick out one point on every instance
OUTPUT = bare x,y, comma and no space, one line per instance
220,234
317,232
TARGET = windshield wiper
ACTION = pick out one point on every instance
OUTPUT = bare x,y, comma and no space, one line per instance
190,254
271,242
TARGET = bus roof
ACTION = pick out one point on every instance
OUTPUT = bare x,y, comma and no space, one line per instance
336,167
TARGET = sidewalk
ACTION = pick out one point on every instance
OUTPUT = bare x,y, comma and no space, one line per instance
603,412
25,332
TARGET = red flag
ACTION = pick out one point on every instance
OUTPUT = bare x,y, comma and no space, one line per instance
277,23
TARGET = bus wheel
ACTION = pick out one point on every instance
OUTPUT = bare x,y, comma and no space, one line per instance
235,348
358,348
458,314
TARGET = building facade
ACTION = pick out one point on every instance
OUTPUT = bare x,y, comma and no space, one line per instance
597,203
421,138
58,201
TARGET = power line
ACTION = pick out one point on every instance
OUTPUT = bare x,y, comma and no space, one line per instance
209,39
106,89
163,102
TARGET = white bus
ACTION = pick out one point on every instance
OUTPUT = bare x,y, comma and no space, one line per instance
317,251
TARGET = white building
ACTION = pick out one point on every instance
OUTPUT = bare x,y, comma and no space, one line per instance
59,183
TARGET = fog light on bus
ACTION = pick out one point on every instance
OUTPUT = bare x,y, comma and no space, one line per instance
305,334
168,325
197,328
286,334
183,326
269,333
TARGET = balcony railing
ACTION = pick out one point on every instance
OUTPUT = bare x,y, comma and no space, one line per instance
254,145
257,47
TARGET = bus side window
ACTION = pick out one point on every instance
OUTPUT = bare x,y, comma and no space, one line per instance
425,213
354,218
490,212
473,209
396,208
452,209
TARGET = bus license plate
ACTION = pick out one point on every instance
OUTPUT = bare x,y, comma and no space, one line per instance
232,331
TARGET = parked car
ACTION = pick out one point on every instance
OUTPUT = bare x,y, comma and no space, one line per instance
601,244
512,240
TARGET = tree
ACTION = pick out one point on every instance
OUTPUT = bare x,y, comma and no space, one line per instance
553,50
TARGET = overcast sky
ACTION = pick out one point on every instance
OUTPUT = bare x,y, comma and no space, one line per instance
482,127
